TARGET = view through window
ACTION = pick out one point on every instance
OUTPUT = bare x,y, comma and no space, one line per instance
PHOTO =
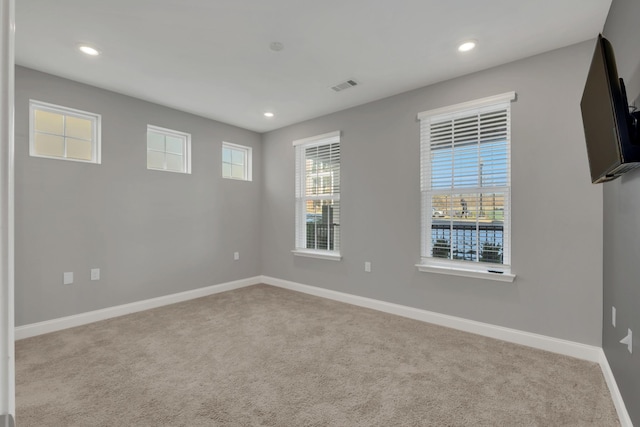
63,133
168,150
465,157
318,193
236,161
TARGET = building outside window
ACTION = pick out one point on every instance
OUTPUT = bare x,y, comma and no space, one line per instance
318,196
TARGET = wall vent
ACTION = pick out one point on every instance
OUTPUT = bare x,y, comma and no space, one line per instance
344,85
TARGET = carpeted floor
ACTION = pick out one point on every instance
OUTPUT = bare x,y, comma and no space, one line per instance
264,356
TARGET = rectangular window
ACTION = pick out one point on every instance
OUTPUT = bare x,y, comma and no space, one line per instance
168,150
236,161
58,132
318,196
466,185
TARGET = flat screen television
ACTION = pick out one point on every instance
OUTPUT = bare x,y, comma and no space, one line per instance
610,129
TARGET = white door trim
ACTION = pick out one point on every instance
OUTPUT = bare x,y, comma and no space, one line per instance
7,62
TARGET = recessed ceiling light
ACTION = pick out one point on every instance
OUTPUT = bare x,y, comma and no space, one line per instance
88,50
467,46
276,46
269,114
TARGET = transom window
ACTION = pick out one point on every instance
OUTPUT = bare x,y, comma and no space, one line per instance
168,150
318,196
236,161
466,185
58,132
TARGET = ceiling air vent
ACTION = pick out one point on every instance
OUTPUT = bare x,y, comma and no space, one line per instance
344,85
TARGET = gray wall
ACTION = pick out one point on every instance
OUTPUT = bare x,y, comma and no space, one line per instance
622,224
151,233
154,233
557,213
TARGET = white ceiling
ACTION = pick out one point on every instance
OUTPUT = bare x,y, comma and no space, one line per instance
212,57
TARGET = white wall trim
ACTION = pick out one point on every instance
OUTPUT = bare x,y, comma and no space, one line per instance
328,255
466,272
618,402
7,252
461,107
325,138
59,324
556,345
542,342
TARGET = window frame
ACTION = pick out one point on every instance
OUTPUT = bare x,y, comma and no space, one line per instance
301,178
96,120
186,146
248,163
466,268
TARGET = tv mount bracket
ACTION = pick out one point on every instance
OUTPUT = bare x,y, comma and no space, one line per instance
634,125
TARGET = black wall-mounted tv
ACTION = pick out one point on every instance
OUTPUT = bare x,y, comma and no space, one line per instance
610,129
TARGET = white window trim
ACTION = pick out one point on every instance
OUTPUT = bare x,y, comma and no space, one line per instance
248,166
176,133
461,108
323,139
320,254
96,119
479,270
454,269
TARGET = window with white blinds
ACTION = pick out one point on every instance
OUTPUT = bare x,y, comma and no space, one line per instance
318,195
466,184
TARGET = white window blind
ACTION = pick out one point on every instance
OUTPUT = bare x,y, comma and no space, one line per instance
466,183
318,193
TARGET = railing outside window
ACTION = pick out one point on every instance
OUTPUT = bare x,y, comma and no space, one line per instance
468,241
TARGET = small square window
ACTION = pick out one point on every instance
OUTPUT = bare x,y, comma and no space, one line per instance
168,150
236,161
58,132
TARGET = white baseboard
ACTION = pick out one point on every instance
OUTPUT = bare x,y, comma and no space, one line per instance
623,414
542,342
40,328
568,348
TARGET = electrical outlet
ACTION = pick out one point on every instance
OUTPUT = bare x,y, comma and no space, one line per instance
367,266
236,256
95,274
613,316
67,277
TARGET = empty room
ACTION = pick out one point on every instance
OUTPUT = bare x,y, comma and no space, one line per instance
338,213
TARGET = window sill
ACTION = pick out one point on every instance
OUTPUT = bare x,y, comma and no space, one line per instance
68,159
168,170
477,274
237,179
332,256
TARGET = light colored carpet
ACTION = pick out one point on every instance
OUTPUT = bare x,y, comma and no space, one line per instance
264,356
